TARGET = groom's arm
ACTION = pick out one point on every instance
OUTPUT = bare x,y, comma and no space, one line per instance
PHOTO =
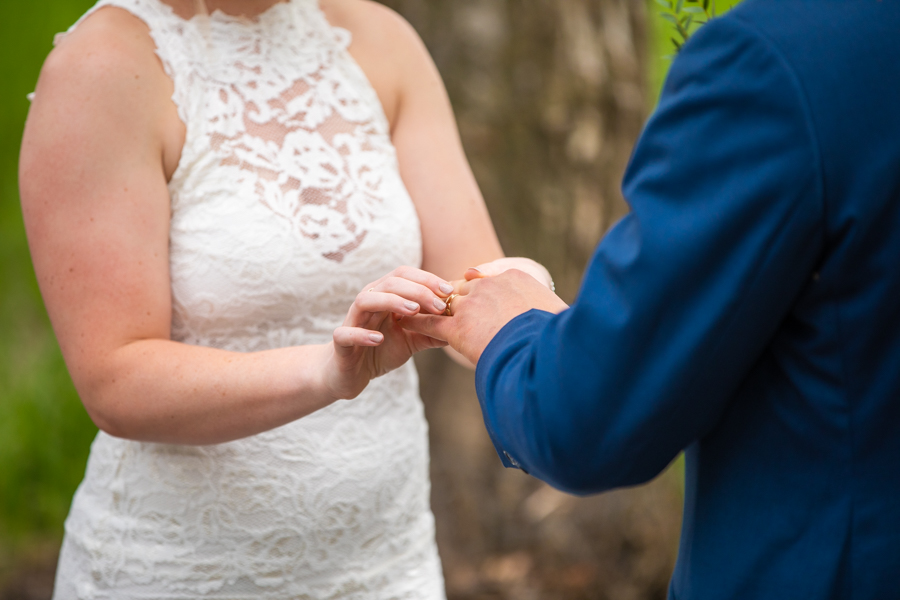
684,294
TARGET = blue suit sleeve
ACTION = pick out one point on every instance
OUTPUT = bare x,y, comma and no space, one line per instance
683,295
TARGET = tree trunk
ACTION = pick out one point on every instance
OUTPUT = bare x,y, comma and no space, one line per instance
550,97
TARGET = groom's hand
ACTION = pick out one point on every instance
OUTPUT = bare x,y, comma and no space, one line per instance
482,308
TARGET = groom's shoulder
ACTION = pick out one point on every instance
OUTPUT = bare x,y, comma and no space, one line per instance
798,23
820,34
838,52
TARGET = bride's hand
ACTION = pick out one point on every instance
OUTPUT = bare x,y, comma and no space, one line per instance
370,343
535,269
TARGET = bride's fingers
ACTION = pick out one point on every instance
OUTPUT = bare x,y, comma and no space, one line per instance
438,286
405,291
351,337
416,292
395,295
369,303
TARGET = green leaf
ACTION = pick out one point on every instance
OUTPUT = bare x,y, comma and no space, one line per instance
694,10
670,17
665,4
678,6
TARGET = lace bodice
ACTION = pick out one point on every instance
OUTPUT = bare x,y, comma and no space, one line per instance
280,116
287,200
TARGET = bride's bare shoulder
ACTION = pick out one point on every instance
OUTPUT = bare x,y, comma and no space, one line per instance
373,26
386,47
102,90
109,53
354,14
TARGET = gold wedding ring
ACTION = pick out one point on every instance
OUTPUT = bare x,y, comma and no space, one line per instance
449,299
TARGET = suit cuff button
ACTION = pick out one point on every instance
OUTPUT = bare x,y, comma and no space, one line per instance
511,460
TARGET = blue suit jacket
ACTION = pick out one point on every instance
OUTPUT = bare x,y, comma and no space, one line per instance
747,310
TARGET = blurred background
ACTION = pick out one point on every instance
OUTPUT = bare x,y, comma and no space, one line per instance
550,96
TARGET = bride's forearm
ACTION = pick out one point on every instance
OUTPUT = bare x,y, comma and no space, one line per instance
163,391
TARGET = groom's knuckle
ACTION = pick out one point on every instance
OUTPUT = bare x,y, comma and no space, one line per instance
431,325
513,275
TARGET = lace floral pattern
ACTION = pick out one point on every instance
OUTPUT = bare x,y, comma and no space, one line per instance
306,143
287,201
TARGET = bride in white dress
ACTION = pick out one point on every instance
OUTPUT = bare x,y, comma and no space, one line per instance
226,211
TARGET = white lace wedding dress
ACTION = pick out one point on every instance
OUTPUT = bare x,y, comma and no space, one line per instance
286,202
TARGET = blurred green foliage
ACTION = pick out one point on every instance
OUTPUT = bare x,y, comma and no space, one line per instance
672,22
686,16
45,433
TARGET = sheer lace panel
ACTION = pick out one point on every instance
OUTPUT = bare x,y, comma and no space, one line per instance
309,168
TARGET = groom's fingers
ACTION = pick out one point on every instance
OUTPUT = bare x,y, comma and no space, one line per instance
489,269
474,273
423,342
433,326
464,288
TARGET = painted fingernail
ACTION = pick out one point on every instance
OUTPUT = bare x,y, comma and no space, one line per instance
376,337
440,304
446,288
411,305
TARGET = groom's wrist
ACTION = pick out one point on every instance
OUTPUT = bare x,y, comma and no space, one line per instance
495,380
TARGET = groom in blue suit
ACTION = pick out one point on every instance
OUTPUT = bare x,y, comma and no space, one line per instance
746,311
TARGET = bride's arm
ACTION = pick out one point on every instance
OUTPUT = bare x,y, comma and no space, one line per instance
100,139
